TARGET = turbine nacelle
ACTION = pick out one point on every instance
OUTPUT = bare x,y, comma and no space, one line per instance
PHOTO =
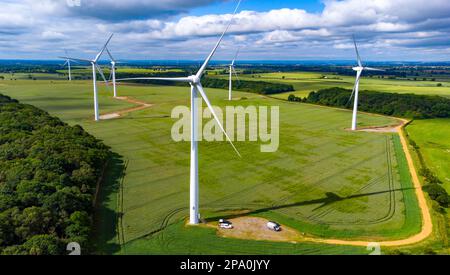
360,69
194,80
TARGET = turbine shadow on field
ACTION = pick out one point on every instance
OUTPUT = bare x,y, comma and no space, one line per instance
106,219
330,198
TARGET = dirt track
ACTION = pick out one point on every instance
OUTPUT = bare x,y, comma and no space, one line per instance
142,106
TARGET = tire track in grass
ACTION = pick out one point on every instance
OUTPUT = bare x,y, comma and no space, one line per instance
309,187
323,180
427,224
162,239
141,106
374,181
392,196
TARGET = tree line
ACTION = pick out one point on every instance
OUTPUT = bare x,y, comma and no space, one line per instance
259,87
433,185
390,104
48,178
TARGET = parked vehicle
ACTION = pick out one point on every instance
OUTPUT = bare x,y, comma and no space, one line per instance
274,226
224,224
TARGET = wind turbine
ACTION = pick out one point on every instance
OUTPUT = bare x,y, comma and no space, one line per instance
197,92
232,70
359,70
68,66
113,71
95,68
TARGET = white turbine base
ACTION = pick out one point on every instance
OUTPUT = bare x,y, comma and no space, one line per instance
355,107
94,78
230,96
114,80
194,184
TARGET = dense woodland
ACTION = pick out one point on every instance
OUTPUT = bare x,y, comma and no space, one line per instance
399,105
48,178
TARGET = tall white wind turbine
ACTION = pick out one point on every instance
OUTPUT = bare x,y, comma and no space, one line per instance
196,93
359,70
113,71
232,71
95,68
68,66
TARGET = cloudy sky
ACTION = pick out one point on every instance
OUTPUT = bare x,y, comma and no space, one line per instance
399,30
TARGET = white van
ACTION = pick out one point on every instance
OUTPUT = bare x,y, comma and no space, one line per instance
274,226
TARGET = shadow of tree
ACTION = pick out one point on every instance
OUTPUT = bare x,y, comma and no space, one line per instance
106,227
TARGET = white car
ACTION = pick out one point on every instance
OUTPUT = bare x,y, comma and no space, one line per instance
225,224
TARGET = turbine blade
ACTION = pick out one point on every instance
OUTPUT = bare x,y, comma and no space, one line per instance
102,74
357,52
203,67
176,79
110,55
110,75
358,77
208,103
76,59
351,97
373,69
235,74
103,49
235,57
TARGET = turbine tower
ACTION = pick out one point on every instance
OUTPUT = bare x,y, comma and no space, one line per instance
95,68
113,71
232,70
359,70
197,92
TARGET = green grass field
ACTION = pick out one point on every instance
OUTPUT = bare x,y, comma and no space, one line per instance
432,136
323,181
306,82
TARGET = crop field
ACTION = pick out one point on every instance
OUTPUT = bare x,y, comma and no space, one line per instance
433,138
30,76
324,181
306,82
